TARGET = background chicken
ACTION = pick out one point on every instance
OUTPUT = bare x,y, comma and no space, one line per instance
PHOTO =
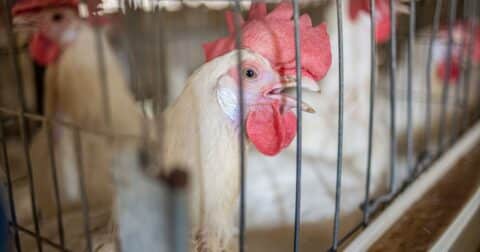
271,182
438,74
66,45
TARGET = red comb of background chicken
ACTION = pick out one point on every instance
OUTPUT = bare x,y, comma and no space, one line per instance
461,33
382,19
461,39
23,6
272,36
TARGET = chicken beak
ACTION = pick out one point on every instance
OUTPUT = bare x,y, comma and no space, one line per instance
307,83
401,7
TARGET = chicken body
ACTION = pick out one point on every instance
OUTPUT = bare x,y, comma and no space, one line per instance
271,181
74,96
201,139
459,106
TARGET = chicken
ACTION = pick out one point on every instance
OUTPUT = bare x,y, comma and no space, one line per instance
66,45
438,74
271,182
201,127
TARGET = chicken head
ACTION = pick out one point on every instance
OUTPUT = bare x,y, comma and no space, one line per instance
460,46
270,122
382,15
53,24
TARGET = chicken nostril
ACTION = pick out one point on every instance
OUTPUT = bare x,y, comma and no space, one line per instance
57,17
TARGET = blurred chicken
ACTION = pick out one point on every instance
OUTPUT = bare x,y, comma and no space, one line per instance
66,45
462,107
271,182
9,97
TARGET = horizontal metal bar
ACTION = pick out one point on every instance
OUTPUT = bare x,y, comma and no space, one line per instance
43,119
43,239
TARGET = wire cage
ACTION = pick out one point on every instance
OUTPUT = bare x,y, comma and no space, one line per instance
390,107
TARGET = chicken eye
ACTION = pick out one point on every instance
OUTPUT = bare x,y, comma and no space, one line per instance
57,17
250,73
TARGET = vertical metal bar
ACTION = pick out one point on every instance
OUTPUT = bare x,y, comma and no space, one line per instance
58,203
457,117
457,104
445,88
428,107
11,201
25,133
466,94
161,75
373,73
338,186
106,105
298,69
393,68
107,110
238,45
83,189
411,41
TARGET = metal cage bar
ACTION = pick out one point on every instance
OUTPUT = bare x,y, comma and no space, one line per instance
392,69
338,185
428,107
53,166
5,162
238,46
443,112
455,120
465,119
371,116
83,191
298,154
410,59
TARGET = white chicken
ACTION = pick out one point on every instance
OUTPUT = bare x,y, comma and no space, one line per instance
211,141
271,182
438,74
66,45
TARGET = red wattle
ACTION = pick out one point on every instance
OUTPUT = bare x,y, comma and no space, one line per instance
270,130
382,20
43,50
356,6
382,30
454,71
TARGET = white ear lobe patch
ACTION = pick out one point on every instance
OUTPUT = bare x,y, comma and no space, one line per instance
68,36
227,97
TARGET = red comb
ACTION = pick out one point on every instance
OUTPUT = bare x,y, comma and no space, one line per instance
23,6
462,28
382,19
272,36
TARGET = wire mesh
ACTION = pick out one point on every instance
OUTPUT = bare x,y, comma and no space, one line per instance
415,164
